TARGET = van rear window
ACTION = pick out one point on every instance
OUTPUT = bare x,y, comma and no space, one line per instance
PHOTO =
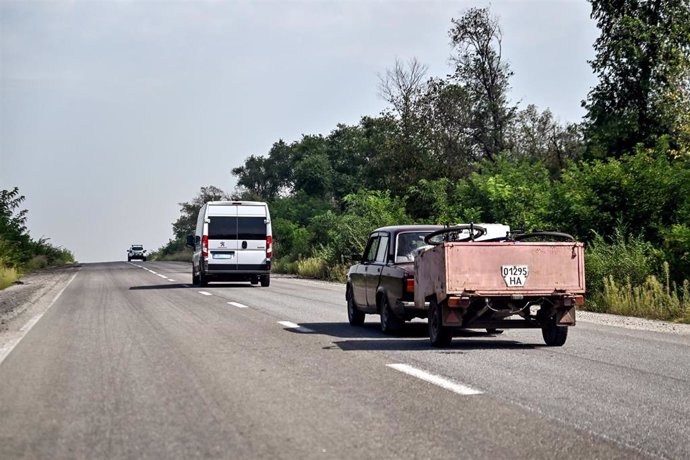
237,228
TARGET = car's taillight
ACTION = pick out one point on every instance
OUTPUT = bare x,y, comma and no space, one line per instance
204,245
269,246
409,285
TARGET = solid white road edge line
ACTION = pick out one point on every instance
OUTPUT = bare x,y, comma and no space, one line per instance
238,305
435,379
7,349
205,293
293,326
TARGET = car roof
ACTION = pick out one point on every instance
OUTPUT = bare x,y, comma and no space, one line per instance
408,228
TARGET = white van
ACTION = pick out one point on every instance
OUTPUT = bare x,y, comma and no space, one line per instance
232,242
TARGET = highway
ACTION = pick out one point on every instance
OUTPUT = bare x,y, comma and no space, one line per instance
130,361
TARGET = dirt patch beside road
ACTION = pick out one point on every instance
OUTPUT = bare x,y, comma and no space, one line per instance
20,302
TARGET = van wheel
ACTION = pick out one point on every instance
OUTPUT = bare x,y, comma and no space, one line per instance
129,259
439,335
195,278
265,280
203,281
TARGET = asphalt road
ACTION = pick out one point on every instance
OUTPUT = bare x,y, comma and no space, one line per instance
131,362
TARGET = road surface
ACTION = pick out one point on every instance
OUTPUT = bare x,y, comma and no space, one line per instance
130,361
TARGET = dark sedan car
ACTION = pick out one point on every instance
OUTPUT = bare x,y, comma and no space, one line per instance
383,281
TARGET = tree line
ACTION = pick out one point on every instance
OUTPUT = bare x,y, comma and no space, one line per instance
19,252
456,149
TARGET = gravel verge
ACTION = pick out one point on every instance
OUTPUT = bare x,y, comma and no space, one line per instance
30,295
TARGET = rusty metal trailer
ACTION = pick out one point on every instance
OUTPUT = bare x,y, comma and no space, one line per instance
512,283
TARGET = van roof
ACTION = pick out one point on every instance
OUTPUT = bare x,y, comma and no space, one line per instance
235,203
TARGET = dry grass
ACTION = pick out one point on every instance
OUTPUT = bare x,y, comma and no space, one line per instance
7,276
653,299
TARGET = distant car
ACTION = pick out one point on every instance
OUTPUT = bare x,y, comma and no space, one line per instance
136,251
382,282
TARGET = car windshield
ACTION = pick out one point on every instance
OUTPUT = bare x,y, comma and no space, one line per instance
407,245
137,248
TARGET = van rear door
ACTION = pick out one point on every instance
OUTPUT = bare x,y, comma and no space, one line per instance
222,238
251,237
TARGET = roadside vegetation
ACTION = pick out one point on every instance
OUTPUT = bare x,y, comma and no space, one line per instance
455,149
19,253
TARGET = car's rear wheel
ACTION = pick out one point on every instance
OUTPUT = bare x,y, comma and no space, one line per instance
354,316
390,324
439,335
554,335
265,280
129,259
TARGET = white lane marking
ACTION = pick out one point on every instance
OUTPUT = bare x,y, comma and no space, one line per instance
205,293
293,326
7,349
163,276
170,279
435,379
238,305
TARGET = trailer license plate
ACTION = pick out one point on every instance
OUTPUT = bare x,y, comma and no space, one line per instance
515,275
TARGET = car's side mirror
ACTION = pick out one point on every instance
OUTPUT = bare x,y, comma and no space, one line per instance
190,240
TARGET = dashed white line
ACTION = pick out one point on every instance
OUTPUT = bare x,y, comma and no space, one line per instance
238,305
436,380
205,293
170,279
294,327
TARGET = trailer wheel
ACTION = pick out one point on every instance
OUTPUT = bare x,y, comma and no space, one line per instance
554,335
390,323
354,316
439,335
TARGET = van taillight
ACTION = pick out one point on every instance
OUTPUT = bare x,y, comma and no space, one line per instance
269,246
204,245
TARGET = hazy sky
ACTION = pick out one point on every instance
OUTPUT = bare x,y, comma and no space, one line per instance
112,112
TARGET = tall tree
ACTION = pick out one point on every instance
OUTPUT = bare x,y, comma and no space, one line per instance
481,70
643,65
189,211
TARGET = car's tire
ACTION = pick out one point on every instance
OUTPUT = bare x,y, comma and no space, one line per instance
354,315
203,280
265,280
439,335
129,259
144,259
554,335
390,324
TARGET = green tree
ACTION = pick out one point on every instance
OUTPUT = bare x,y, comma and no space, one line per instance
481,70
643,65
186,223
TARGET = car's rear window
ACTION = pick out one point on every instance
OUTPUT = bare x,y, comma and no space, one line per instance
237,228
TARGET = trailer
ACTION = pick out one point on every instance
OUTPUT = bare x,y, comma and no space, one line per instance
533,280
